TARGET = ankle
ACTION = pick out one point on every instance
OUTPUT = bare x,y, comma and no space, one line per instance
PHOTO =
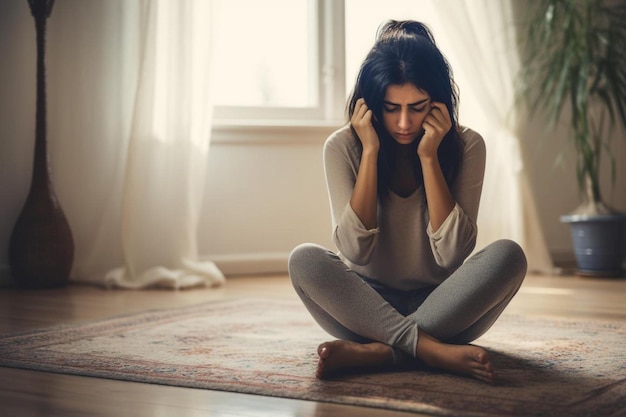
427,349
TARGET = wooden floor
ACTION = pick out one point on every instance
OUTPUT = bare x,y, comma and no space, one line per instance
29,393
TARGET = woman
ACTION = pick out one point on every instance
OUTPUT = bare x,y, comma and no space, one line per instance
404,183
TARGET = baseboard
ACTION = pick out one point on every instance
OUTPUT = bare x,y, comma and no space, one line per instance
231,264
5,276
251,263
564,258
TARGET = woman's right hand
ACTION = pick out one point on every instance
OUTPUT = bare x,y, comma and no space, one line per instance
362,123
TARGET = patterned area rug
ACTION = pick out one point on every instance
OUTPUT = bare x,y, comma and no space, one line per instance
267,347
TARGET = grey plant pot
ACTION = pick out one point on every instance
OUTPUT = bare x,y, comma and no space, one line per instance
599,243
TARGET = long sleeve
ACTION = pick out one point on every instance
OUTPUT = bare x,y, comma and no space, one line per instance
456,238
341,158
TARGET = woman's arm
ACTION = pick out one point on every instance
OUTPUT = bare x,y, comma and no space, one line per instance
456,237
342,159
452,210
364,200
352,180
438,196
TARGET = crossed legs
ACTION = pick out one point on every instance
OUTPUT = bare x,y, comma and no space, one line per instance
371,333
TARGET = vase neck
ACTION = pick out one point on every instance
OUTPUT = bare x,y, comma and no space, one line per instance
40,163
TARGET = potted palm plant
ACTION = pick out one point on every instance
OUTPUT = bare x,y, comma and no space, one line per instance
575,68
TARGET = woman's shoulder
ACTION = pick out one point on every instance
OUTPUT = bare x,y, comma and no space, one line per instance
343,141
470,136
472,140
341,137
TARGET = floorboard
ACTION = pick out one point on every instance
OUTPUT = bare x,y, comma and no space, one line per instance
30,393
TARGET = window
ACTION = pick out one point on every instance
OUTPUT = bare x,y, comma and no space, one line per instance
278,60
295,61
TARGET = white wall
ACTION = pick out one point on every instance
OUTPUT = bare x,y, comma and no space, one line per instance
17,116
265,194
551,166
265,191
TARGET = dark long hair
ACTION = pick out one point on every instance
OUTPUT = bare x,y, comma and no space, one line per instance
406,52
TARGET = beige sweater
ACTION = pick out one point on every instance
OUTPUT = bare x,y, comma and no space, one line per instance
403,252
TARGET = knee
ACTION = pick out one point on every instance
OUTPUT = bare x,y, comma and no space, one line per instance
302,261
302,254
513,256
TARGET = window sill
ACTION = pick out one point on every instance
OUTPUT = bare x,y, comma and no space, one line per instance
273,131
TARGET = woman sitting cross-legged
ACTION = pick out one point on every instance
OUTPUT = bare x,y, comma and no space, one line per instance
404,182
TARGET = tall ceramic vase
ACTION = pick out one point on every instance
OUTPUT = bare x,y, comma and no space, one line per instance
41,248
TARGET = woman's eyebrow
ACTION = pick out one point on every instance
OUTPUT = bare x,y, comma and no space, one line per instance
417,103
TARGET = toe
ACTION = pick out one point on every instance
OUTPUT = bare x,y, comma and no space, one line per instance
482,357
322,350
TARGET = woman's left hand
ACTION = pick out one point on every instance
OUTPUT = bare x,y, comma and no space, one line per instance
436,124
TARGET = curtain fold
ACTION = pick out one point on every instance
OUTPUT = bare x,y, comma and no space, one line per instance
167,151
142,84
479,37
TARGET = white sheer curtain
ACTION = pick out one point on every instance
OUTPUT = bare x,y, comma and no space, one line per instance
139,87
479,38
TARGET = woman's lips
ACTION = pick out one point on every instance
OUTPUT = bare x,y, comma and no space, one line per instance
406,136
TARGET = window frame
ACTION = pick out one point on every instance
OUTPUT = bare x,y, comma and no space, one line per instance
327,19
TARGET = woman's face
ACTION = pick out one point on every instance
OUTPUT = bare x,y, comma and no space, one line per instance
404,109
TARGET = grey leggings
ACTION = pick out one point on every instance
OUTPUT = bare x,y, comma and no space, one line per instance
459,310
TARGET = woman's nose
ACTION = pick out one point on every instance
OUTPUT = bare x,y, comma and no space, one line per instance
404,121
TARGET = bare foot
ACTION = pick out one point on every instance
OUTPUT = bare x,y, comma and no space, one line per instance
466,360
343,354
